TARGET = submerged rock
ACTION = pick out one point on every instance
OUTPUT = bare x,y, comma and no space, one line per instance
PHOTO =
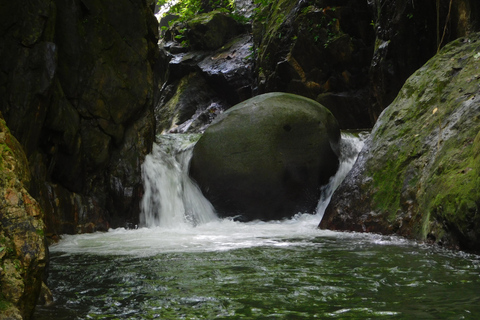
419,172
267,157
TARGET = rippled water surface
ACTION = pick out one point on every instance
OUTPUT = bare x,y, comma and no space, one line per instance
230,270
196,266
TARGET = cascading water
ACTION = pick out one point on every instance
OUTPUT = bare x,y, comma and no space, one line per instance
350,146
171,198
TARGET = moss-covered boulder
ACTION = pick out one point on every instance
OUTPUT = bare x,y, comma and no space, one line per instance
211,30
419,172
23,253
267,157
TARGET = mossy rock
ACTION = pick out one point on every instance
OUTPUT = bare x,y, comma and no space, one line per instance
267,157
419,172
209,31
12,157
23,254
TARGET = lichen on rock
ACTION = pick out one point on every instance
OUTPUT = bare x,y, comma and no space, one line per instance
23,254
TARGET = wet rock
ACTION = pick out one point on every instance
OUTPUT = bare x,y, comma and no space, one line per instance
23,253
201,84
229,70
78,77
192,94
209,31
419,172
267,157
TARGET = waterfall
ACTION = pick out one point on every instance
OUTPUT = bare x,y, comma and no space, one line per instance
171,198
350,146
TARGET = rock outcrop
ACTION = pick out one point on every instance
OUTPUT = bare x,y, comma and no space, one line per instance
207,68
23,252
419,172
267,157
321,50
76,84
353,56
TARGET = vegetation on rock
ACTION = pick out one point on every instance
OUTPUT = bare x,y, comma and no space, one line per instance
418,174
23,255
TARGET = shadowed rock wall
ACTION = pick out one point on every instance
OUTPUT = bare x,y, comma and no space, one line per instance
353,56
76,87
408,33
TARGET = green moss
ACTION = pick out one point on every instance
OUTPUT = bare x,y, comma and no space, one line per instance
40,232
4,305
454,187
476,147
4,151
387,184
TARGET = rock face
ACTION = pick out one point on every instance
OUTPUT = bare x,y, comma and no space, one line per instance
267,157
210,31
419,172
207,68
23,253
76,89
352,56
321,50
397,54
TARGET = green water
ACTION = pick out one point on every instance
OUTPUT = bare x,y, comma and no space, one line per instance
328,276
196,266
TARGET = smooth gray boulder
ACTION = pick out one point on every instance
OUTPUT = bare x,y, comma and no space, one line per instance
267,157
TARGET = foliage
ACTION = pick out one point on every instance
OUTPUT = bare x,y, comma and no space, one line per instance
261,9
187,9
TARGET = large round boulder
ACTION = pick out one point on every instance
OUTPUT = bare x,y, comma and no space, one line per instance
267,157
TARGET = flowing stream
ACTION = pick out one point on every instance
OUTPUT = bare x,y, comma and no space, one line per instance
184,263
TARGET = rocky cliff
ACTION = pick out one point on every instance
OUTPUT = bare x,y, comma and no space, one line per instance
205,67
80,79
76,87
